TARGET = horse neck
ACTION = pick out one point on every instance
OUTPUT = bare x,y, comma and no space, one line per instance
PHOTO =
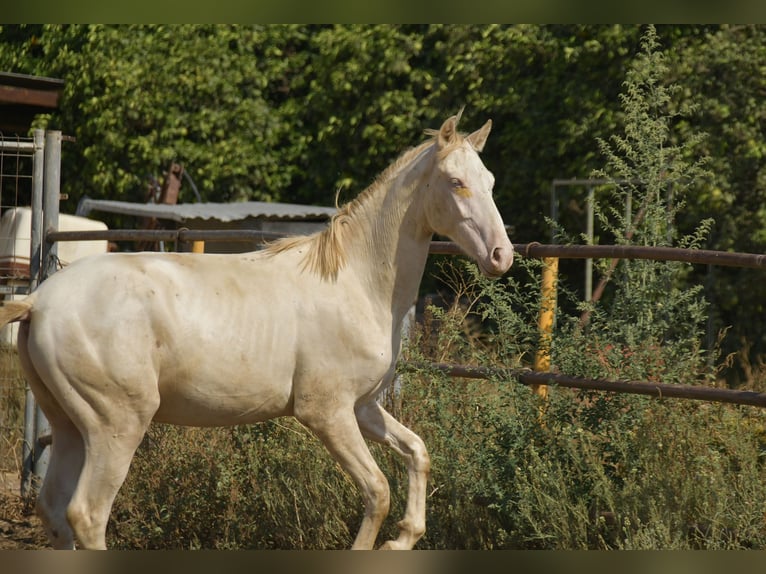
392,241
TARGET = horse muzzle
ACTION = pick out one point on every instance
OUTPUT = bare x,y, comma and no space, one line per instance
499,261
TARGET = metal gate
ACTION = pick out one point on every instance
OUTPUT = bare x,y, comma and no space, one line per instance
30,175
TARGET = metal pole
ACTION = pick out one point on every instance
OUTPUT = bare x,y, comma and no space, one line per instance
51,198
35,247
30,405
554,210
49,264
656,390
589,234
545,320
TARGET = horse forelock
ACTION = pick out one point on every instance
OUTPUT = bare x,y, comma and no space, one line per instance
457,141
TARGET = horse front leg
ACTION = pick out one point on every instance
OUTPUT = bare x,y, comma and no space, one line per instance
378,425
337,428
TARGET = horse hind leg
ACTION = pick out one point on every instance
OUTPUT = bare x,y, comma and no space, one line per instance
91,451
111,434
81,483
66,457
88,464
106,462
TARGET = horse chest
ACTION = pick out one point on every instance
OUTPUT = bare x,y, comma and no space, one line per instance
344,364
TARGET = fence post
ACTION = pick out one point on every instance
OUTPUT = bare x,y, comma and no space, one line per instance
30,449
44,262
50,264
198,246
51,199
545,320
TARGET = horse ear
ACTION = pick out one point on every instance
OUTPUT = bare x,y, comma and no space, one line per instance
479,137
448,132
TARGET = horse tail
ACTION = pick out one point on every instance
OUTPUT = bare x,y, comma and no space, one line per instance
11,311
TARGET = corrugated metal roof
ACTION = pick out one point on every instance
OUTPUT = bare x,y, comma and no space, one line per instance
29,81
218,211
22,97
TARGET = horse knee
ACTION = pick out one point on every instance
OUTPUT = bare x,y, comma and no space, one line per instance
378,497
411,530
89,530
421,460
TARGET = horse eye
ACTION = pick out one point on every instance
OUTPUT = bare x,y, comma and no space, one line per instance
456,182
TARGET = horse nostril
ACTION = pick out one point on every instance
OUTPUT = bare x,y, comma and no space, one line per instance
502,257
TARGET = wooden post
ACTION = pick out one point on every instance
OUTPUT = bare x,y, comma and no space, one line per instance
198,246
545,320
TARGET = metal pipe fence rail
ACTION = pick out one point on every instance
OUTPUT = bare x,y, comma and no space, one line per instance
701,256
534,249
182,235
656,390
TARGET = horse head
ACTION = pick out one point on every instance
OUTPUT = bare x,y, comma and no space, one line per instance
460,203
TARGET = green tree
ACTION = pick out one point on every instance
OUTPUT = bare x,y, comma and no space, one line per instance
722,70
138,97
356,97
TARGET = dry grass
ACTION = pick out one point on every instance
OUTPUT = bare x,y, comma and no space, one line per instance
12,397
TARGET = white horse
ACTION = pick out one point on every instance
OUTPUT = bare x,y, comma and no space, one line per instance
309,327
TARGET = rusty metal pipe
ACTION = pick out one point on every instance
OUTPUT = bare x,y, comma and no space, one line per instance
702,256
656,390
538,250
182,235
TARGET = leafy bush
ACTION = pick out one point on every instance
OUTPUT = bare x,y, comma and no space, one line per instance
263,486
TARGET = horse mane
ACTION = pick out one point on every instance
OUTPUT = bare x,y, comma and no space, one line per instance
325,250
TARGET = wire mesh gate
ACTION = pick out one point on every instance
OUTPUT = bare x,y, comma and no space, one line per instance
30,175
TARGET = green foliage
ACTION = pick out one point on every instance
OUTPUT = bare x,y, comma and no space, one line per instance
152,95
651,175
601,472
723,74
293,113
653,317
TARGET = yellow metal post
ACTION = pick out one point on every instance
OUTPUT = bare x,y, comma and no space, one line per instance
548,295
198,246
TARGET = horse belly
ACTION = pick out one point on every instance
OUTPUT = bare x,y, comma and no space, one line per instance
192,408
224,397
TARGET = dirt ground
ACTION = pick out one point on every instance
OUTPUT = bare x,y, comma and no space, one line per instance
19,526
